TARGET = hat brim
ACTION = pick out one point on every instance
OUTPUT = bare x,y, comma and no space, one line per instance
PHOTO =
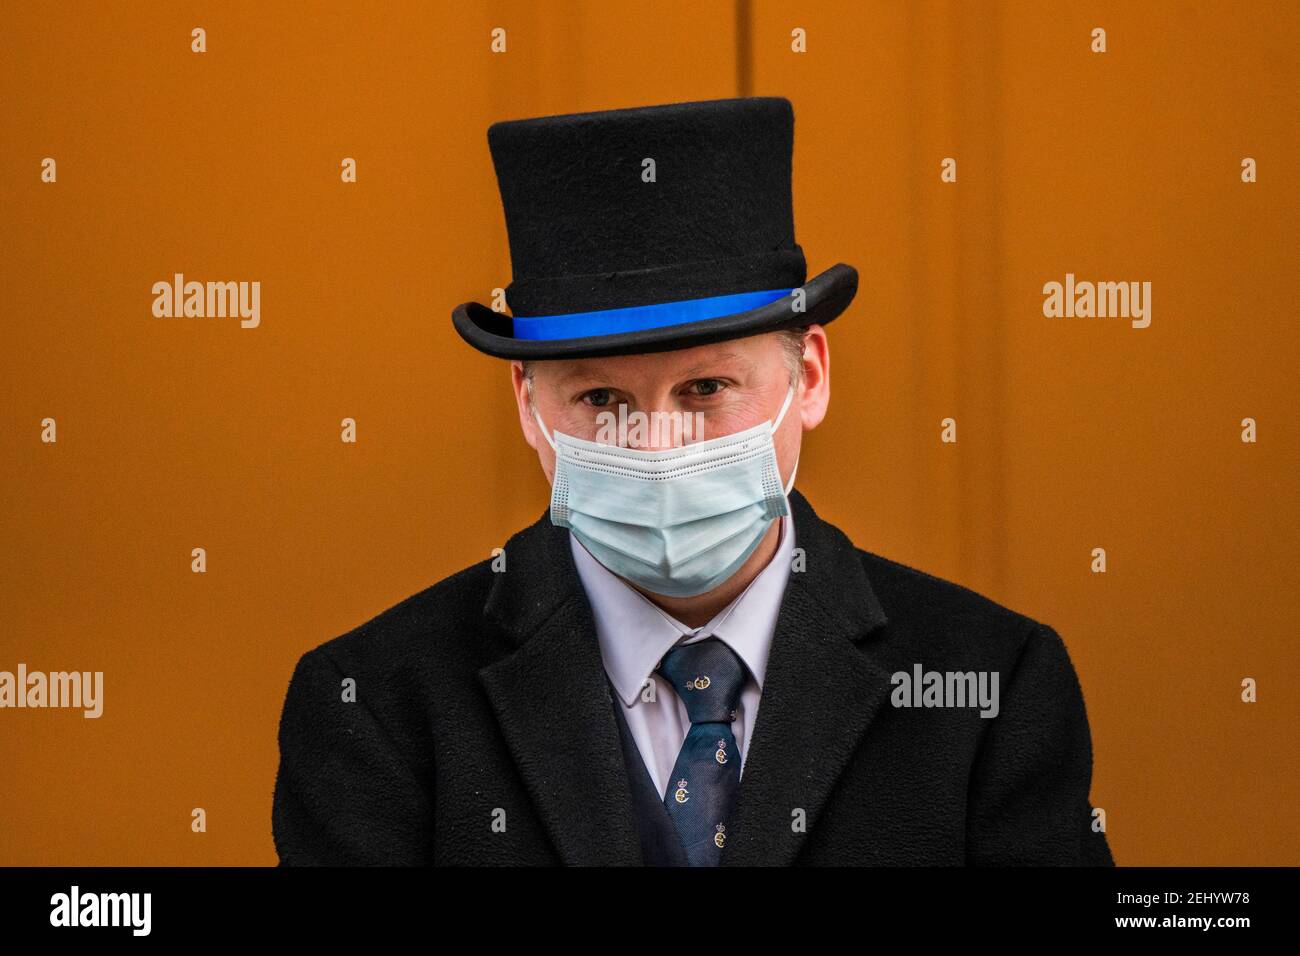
825,297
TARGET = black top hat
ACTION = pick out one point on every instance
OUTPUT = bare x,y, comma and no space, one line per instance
647,229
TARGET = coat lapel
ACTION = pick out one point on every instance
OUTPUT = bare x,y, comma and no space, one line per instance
552,701
820,694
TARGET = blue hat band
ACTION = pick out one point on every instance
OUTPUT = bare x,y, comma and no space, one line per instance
637,318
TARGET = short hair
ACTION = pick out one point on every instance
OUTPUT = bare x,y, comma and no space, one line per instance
791,342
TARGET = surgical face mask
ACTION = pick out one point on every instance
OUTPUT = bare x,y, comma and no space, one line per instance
677,521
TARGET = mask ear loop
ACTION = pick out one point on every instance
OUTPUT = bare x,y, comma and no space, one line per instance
789,397
538,415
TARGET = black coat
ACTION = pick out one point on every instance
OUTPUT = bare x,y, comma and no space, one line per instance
482,732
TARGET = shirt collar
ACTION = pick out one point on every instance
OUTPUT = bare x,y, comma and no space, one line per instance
634,633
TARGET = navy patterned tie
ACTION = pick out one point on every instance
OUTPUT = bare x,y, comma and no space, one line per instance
708,677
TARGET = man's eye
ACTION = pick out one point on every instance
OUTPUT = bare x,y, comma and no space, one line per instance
707,386
597,397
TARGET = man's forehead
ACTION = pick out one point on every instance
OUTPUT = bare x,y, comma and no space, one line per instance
701,360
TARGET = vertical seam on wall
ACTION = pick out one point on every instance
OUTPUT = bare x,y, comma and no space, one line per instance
981,365
744,48
971,553
915,281
998,355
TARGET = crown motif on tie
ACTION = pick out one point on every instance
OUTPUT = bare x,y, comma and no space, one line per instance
720,837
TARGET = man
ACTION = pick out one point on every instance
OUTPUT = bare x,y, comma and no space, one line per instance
680,664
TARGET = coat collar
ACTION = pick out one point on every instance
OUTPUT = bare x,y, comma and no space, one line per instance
552,698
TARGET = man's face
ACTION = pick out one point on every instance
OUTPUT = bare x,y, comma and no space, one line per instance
733,385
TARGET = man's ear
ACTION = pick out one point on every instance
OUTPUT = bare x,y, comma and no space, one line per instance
816,377
526,420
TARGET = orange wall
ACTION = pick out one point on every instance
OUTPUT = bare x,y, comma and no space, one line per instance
1072,433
